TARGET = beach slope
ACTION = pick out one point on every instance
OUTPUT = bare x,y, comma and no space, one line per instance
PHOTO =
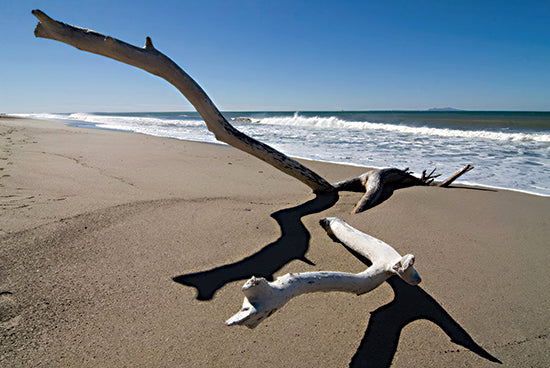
95,225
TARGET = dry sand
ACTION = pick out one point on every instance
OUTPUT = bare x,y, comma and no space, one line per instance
94,225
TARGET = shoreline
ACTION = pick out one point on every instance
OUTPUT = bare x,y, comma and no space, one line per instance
95,224
459,182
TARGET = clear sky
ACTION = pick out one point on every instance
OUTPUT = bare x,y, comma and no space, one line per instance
286,55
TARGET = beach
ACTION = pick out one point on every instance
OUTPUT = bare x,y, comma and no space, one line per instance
504,144
95,225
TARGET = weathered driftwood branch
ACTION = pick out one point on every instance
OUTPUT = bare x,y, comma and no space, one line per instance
445,183
263,298
377,184
154,62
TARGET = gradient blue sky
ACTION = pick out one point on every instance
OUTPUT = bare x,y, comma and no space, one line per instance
286,55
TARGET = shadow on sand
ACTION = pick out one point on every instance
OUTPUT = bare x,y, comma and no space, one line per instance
381,338
411,303
292,244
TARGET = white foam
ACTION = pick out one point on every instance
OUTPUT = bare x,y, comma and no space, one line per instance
117,122
43,116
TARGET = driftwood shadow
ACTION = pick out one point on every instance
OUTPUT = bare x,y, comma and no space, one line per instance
292,244
411,303
482,189
381,338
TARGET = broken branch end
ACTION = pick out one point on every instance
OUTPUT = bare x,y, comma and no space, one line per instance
149,43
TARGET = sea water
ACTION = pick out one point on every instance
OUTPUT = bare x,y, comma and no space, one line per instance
509,149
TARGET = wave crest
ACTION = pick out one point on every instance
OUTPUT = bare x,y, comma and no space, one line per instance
332,122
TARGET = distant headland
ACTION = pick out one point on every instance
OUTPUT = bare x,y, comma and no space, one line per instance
444,109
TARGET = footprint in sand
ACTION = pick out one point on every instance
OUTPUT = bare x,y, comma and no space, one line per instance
9,310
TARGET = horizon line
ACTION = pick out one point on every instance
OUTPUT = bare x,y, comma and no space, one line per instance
436,110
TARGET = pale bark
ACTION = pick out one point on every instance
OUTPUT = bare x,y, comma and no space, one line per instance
154,62
445,183
377,184
263,298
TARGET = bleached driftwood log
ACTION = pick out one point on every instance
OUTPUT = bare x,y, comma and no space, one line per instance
153,61
376,184
379,184
263,298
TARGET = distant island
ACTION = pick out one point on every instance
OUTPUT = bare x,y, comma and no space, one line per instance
444,109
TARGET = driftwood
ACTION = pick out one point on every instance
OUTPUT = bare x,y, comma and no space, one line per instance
455,176
377,184
263,298
151,60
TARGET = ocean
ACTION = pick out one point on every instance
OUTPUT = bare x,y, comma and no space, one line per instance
510,150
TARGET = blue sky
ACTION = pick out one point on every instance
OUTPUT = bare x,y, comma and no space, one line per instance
286,55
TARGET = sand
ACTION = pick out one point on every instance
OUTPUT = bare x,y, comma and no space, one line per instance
95,224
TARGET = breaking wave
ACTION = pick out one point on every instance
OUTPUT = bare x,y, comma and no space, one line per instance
332,122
